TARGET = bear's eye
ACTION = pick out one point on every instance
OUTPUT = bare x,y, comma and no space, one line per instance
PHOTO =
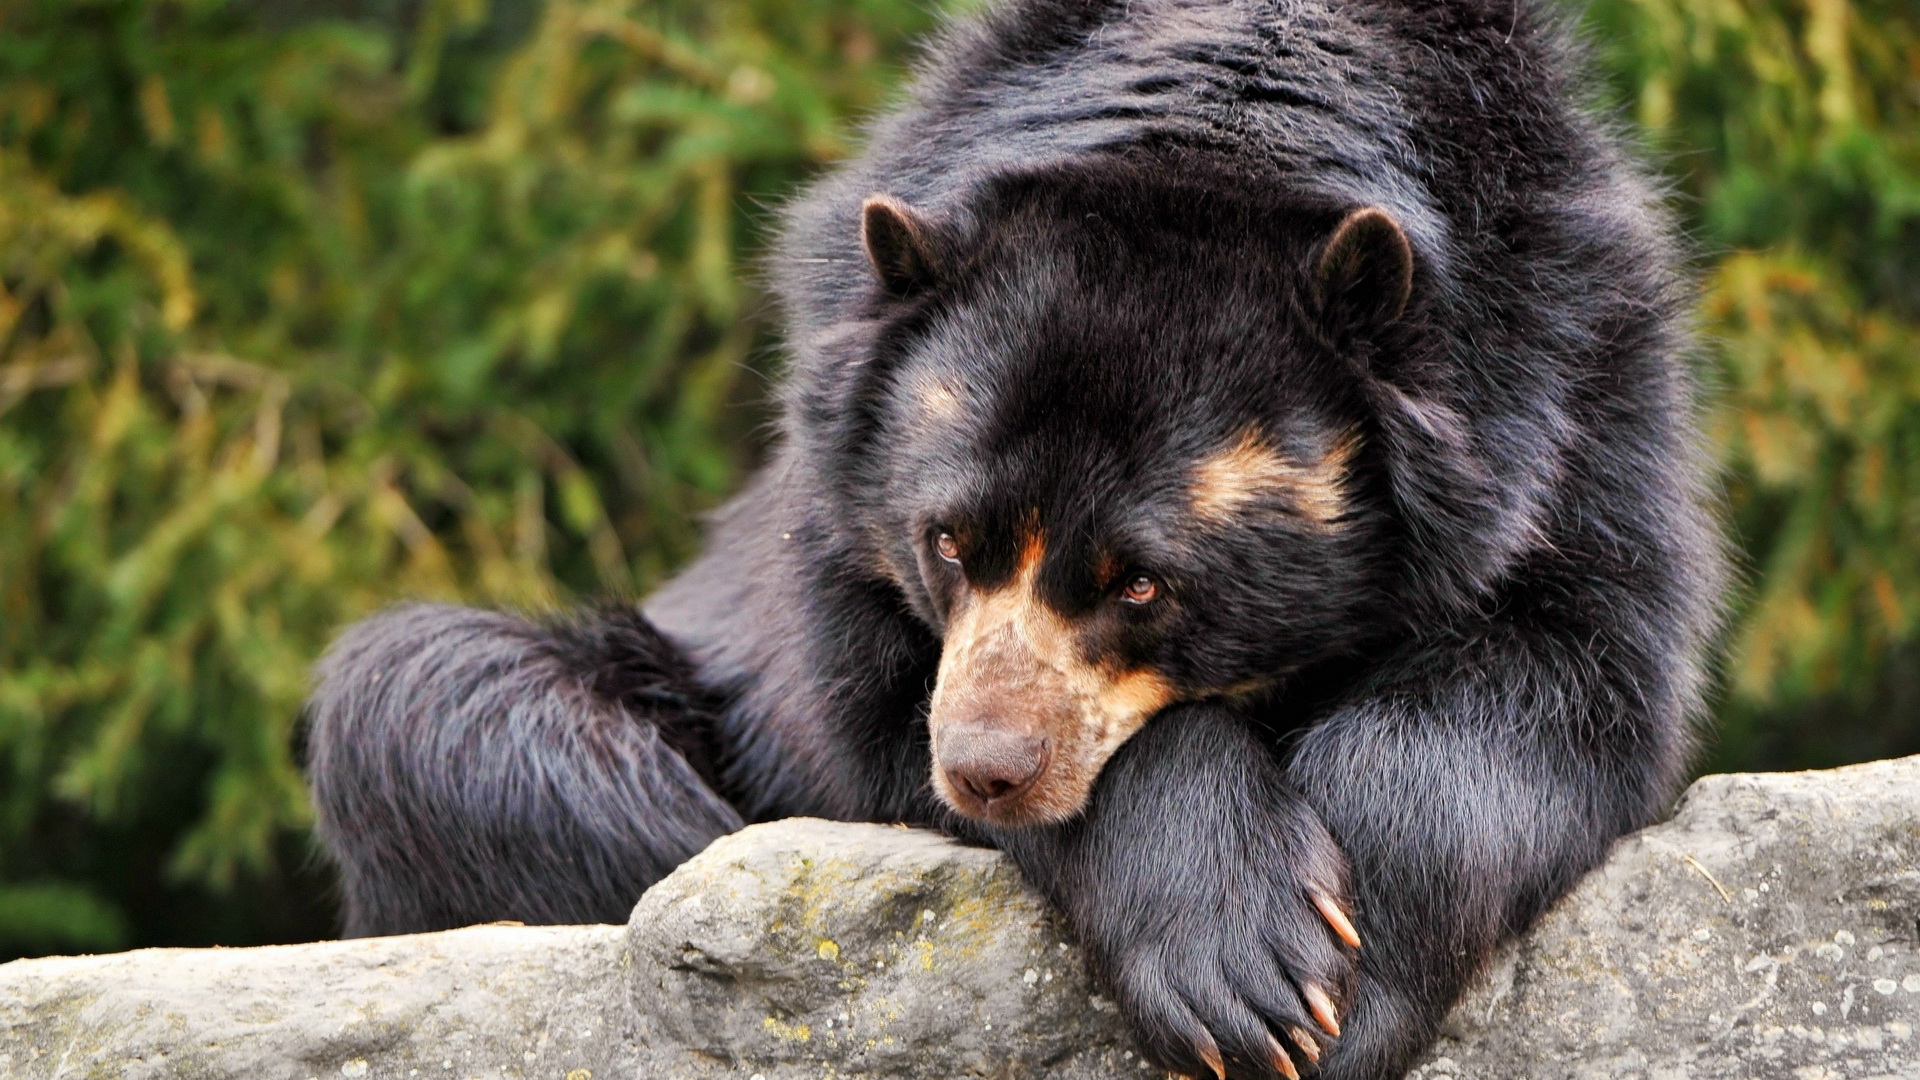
1140,590
948,547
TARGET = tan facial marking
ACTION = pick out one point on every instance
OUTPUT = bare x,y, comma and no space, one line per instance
1012,664
1249,470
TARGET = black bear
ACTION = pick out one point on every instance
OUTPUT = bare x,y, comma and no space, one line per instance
1237,459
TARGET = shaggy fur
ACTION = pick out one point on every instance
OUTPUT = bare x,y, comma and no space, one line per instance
1432,577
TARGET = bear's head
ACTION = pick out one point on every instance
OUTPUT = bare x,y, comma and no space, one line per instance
1110,436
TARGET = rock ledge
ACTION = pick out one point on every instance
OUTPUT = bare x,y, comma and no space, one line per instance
1772,928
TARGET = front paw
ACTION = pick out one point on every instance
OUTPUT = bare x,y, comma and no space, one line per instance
1247,978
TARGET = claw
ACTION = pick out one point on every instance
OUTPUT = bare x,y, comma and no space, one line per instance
1210,1053
1330,910
1321,1007
1306,1043
1281,1062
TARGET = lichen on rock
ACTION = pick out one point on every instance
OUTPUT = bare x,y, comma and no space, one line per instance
1772,928
871,950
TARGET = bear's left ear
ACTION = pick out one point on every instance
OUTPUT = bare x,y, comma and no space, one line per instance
1363,276
899,243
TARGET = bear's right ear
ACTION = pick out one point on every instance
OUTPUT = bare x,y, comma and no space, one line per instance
1364,275
899,244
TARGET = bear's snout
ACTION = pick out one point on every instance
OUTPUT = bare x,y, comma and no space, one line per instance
1023,714
991,767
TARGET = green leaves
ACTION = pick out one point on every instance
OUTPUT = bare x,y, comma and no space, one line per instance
1824,435
1793,127
296,321
54,916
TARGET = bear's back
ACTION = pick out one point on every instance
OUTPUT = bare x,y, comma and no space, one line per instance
1455,117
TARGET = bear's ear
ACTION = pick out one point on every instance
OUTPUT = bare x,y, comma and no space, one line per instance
1363,277
899,244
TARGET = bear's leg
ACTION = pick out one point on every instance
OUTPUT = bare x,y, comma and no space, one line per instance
468,766
1200,886
1470,790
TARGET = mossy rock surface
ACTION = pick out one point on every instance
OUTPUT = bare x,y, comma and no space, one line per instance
1771,929
814,949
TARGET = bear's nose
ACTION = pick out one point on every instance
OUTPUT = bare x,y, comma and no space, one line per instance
989,765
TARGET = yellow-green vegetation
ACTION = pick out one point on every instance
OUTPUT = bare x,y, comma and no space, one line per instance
300,317
1792,130
308,306
787,1032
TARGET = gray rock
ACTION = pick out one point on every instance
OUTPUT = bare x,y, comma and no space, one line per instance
809,948
487,1001
801,948
1771,929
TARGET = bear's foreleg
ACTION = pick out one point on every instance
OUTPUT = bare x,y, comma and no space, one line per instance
1198,883
468,766
1471,787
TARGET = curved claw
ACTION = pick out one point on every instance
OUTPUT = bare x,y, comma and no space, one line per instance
1209,1052
1306,1043
1331,911
1282,1063
1321,1006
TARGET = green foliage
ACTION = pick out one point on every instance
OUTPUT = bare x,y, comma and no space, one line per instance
53,916
298,320
1793,129
305,307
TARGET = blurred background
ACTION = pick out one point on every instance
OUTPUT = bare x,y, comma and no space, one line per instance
308,305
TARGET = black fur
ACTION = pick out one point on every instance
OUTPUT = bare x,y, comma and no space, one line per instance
468,766
1441,709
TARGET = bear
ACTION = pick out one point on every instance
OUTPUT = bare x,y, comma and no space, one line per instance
1237,457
